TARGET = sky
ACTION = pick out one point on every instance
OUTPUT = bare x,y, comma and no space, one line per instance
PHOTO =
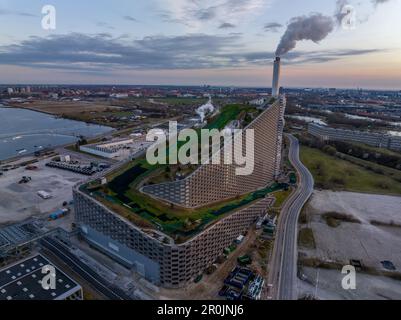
197,42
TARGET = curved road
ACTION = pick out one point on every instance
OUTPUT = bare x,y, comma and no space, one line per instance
283,266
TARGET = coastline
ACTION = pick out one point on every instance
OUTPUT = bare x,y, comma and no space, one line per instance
2,105
56,116
31,154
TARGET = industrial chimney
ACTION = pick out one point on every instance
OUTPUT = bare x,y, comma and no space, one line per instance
276,77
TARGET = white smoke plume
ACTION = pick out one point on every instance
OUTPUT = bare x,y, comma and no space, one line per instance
205,109
314,27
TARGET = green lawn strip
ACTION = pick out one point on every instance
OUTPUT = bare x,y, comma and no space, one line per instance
306,238
281,197
336,174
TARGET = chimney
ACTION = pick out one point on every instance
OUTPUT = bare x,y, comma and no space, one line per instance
276,77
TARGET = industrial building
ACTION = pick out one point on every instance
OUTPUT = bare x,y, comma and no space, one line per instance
378,140
169,265
23,281
216,182
158,257
117,148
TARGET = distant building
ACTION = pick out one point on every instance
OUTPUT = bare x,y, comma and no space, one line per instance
118,148
23,281
258,102
378,140
119,95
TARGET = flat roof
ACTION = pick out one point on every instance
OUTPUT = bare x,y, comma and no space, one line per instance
23,281
3,241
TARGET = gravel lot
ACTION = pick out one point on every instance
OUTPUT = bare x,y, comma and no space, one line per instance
363,241
20,201
368,287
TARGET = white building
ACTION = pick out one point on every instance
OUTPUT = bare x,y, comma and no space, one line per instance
118,148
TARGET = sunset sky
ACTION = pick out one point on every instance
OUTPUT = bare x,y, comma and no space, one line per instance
196,42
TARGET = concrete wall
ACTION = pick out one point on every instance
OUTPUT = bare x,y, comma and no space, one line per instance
124,255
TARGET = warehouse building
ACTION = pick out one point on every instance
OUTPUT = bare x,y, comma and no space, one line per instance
117,148
377,140
23,281
174,265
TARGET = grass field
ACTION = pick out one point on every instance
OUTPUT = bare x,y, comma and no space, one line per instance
281,197
306,238
69,108
228,113
333,173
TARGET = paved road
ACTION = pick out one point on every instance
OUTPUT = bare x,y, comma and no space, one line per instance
283,274
83,270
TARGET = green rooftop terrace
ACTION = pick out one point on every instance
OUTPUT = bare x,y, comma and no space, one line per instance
121,194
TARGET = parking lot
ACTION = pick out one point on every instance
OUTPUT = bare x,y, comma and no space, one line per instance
21,201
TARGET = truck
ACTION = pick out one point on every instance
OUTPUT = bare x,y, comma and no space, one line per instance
239,240
25,180
244,260
58,214
44,195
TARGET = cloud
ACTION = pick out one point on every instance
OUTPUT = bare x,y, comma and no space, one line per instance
341,8
195,13
130,18
377,2
272,26
102,24
340,13
16,13
102,53
227,25
297,57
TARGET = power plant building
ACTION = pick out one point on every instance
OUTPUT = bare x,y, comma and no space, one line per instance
173,264
216,182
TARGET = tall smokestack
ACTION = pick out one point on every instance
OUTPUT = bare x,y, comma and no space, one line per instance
276,77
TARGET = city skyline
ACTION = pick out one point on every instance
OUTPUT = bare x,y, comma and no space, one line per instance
192,43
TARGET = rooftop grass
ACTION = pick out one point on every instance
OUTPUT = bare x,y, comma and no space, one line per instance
121,193
171,219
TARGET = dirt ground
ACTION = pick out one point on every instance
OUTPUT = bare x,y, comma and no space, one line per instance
66,107
371,243
327,285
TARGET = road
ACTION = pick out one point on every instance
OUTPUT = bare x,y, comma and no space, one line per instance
83,270
283,266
